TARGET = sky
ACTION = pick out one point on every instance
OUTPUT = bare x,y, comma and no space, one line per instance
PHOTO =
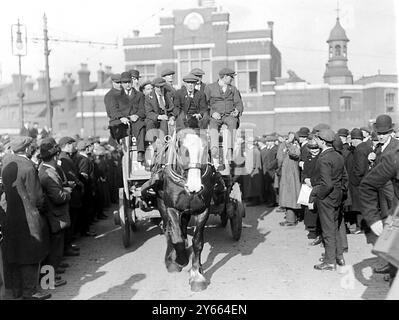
301,28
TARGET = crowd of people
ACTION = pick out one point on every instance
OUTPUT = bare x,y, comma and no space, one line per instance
351,177
57,190
52,194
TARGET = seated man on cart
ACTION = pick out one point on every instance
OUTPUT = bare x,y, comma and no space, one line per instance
126,113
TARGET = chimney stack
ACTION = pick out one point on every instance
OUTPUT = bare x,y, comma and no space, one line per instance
84,77
136,33
108,71
67,83
41,81
270,24
100,77
29,83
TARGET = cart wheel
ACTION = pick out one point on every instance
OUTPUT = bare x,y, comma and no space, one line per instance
236,221
124,210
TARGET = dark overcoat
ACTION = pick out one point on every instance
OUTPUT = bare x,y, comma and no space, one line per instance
26,234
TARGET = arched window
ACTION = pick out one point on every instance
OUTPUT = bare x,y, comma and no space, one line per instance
331,52
344,51
337,50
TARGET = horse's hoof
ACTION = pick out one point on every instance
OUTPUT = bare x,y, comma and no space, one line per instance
173,267
198,286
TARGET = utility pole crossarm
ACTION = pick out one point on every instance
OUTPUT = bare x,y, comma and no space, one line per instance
79,41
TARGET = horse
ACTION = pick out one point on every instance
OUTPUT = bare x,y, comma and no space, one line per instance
188,181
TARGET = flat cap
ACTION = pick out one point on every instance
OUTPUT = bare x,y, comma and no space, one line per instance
135,73
357,134
167,72
125,76
83,144
48,147
365,129
190,78
197,72
326,134
158,82
116,77
303,132
145,83
227,72
343,132
20,143
65,140
319,127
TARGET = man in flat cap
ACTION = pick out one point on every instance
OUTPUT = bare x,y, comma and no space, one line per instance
110,98
199,73
146,87
328,183
367,135
135,74
190,105
226,107
127,115
26,234
67,145
57,202
167,75
159,111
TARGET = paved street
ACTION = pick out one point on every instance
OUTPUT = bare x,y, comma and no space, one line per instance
269,262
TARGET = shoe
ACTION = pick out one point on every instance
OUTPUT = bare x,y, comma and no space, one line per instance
63,265
71,253
340,262
384,269
288,224
140,156
60,270
39,296
316,241
325,266
60,282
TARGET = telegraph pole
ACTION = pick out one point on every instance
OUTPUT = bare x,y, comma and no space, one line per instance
48,92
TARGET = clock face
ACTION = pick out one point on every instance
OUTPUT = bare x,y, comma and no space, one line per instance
193,21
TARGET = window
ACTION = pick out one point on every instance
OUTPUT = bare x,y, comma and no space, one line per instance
390,101
330,52
247,76
344,51
337,50
147,71
195,58
345,104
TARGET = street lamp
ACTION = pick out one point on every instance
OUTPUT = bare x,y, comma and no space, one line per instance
19,48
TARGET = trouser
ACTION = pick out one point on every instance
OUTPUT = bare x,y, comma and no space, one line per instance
214,128
385,198
342,231
330,221
22,279
69,232
86,214
56,249
138,131
157,129
270,193
312,221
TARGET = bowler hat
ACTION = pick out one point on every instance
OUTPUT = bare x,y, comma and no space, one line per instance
126,77
116,77
167,72
326,134
383,124
319,127
197,72
20,143
357,134
65,140
343,132
158,82
190,78
303,132
48,148
135,73
227,72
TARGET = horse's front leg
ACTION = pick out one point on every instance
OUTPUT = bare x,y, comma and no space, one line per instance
197,280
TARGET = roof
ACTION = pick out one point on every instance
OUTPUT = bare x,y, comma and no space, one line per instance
337,33
250,34
392,78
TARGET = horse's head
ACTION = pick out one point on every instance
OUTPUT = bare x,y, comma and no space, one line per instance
193,154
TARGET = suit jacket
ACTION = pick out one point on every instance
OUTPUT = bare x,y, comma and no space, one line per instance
152,109
111,104
392,145
71,173
57,200
386,170
223,103
329,180
182,102
269,161
126,105
360,163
